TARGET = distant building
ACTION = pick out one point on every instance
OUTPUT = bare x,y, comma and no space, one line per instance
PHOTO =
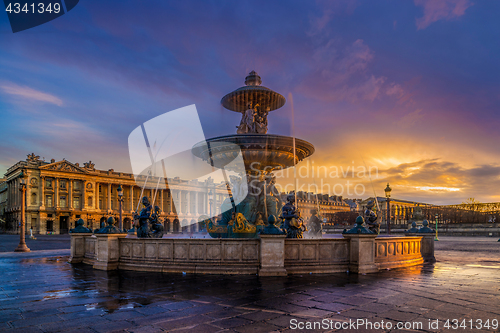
60,192
401,210
327,205
3,202
354,204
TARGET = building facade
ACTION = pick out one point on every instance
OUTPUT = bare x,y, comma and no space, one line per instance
59,193
402,211
324,204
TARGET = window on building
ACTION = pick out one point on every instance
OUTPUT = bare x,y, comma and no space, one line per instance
33,223
76,202
89,201
48,183
48,201
62,201
50,226
33,199
100,204
62,184
76,184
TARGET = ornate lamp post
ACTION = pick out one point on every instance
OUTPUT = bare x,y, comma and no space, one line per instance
120,200
210,201
387,191
22,243
436,238
90,222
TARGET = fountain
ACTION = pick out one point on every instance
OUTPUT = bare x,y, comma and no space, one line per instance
262,154
241,243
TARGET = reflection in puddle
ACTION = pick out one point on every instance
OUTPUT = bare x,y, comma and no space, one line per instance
58,294
483,266
85,289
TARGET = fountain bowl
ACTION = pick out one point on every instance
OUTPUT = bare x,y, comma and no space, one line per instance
261,152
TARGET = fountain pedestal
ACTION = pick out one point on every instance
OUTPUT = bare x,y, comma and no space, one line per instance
272,255
78,246
108,251
362,253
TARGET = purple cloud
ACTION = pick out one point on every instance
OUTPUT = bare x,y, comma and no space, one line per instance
435,10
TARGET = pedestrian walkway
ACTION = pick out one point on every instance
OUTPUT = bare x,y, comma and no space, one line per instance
42,242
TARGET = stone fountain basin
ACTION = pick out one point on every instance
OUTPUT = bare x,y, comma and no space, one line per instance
259,151
266,255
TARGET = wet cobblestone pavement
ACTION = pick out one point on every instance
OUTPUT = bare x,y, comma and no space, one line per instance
43,293
42,242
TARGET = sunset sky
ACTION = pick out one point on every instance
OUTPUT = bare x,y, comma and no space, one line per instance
409,87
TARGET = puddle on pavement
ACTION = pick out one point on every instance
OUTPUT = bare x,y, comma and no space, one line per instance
112,291
483,266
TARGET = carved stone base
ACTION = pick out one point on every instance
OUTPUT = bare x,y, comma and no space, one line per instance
272,255
102,266
108,251
78,247
362,253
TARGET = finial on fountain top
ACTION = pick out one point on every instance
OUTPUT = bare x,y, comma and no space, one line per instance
253,79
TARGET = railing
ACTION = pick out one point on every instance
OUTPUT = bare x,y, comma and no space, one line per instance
394,252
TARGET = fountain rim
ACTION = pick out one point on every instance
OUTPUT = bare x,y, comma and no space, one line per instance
303,149
261,138
225,101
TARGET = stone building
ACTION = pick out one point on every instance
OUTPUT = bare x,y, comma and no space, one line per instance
328,205
401,210
59,193
3,202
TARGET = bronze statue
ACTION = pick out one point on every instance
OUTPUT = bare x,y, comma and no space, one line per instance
144,217
110,228
247,123
371,218
314,223
292,222
273,201
79,227
156,227
253,120
272,228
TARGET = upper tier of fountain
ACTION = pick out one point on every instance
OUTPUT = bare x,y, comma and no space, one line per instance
253,94
261,151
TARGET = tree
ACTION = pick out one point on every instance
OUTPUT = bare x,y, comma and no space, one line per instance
472,204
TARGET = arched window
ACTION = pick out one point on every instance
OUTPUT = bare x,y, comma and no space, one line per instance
166,225
89,201
176,225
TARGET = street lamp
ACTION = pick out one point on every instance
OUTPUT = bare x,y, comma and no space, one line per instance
119,190
90,222
22,243
210,202
436,238
387,191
